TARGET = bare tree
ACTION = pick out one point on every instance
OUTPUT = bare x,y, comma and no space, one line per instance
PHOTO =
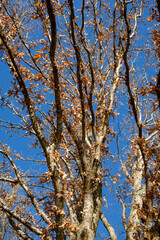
82,95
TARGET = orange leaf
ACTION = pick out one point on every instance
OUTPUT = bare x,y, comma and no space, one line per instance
36,4
149,19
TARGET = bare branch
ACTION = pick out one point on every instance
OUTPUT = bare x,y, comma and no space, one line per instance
18,230
79,66
19,218
27,190
28,101
109,228
55,71
123,211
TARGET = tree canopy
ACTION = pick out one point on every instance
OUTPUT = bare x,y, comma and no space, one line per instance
79,125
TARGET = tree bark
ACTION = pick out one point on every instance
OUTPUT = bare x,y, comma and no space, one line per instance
133,231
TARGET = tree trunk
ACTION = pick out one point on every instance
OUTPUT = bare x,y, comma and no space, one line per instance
133,231
92,205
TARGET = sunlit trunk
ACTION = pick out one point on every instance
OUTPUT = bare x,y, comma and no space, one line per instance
92,207
133,231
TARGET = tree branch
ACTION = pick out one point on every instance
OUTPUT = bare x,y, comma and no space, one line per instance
79,64
19,218
17,229
109,228
28,101
27,190
55,71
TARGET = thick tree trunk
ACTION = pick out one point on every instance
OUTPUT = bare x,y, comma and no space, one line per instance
60,205
133,231
59,193
92,205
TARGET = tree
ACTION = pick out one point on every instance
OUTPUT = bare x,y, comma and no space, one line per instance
156,34
82,96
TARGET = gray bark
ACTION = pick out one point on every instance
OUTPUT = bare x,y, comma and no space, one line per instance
133,231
